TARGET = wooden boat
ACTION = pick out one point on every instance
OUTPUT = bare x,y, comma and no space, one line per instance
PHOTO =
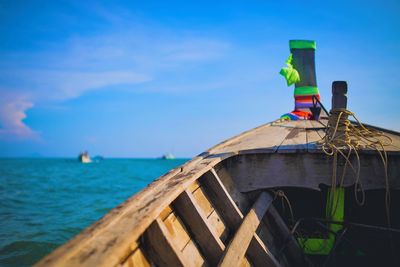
216,208
224,207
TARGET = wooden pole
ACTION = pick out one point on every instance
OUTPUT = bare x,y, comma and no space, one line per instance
339,104
339,95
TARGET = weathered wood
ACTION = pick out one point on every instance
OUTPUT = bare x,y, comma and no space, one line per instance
165,213
308,170
160,247
221,199
233,216
238,246
295,253
244,263
260,254
108,241
296,140
194,218
315,132
177,230
218,224
266,139
193,187
226,181
137,259
203,202
213,217
191,253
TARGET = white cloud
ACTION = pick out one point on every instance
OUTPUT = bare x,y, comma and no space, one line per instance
12,114
68,70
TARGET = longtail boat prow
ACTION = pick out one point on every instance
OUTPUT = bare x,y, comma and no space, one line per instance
313,188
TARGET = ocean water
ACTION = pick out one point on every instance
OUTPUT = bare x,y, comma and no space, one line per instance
45,202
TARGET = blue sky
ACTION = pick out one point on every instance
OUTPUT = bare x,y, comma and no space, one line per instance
141,78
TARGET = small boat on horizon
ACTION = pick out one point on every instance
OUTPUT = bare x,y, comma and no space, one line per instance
84,157
168,156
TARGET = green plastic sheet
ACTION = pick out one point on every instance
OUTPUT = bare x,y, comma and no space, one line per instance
290,73
334,212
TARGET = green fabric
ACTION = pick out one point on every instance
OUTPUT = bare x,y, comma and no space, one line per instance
334,212
302,44
291,74
306,90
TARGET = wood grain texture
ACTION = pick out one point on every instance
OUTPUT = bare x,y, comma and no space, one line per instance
161,248
177,231
221,199
265,139
315,133
193,256
205,235
260,254
237,248
137,259
307,170
218,224
203,202
296,140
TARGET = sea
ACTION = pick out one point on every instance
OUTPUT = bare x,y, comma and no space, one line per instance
45,202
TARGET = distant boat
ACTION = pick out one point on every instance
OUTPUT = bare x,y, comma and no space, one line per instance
98,158
84,157
168,156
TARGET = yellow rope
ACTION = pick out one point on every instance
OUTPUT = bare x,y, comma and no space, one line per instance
343,136
282,195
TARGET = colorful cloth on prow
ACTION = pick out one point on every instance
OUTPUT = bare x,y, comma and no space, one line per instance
303,95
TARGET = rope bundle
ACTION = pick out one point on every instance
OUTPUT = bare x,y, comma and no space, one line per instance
343,138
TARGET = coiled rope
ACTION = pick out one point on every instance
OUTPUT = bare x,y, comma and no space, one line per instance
343,138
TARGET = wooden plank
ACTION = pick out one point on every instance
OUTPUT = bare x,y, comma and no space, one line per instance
137,259
177,231
265,234
204,234
266,139
193,186
237,248
165,213
315,133
296,140
221,199
192,253
260,255
307,170
159,245
203,201
294,254
239,199
218,224
244,263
